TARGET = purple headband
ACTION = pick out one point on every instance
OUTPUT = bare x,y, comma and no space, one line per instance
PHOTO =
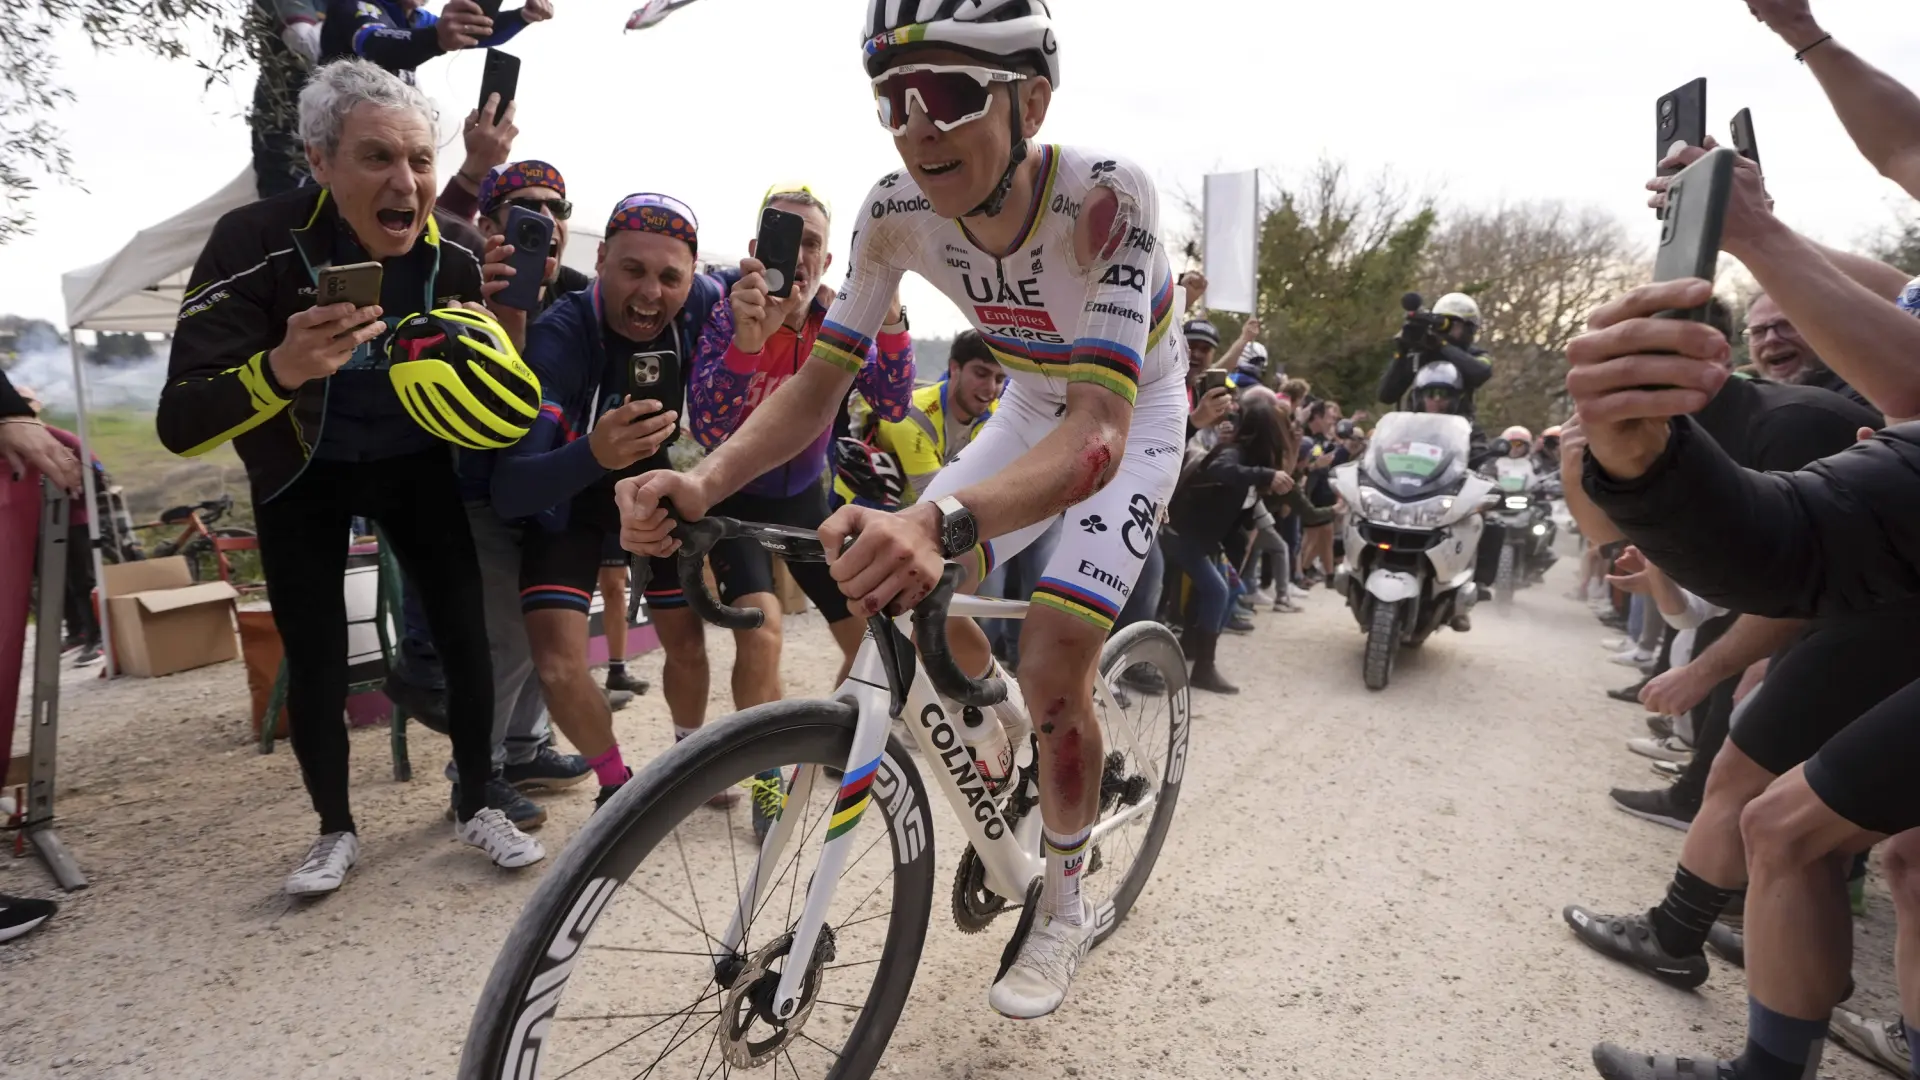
503,181
663,214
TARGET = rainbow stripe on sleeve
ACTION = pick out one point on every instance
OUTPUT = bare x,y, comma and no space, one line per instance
841,347
1075,601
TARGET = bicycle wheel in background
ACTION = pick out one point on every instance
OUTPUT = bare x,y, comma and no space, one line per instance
1146,756
609,971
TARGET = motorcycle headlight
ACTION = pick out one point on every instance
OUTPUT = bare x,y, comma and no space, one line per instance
1430,513
1539,530
1516,502
1375,504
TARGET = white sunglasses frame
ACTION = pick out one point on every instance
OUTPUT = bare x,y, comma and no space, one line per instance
985,76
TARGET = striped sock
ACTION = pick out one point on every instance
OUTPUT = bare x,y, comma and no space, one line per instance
1066,858
609,768
1780,1047
1682,919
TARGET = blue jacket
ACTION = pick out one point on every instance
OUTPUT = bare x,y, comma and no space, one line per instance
566,348
385,32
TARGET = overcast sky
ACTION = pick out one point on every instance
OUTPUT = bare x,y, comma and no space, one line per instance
1479,100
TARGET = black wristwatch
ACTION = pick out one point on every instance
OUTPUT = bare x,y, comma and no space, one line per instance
959,532
903,324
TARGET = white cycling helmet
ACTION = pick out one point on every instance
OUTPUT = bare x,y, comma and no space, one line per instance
1516,433
991,29
1255,353
1459,306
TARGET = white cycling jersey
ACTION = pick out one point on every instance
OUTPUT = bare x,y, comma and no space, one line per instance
1050,319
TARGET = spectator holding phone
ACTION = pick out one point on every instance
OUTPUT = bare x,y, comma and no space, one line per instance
488,133
302,393
283,37
400,35
613,361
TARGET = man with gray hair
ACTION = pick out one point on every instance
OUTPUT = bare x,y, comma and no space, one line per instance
303,393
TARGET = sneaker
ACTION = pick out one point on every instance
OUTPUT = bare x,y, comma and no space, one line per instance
1731,943
88,657
1613,620
1039,965
1660,725
1660,807
1882,1042
1285,605
1240,624
769,798
608,791
1262,596
491,832
550,770
1245,602
1616,1063
19,915
1630,939
1634,657
1671,748
1145,678
626,680
1461,623
1668,770
1630,694
326,865
617,699
502,796
1615,644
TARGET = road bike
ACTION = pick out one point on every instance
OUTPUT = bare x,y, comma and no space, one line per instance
663,942
207,549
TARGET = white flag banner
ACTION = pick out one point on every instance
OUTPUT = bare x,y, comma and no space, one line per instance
1233,241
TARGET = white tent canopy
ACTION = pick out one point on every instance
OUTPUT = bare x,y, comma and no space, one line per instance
139,288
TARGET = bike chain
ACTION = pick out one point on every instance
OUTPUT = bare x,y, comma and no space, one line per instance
974,905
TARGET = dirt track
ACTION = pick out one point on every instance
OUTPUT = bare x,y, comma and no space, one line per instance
1357,886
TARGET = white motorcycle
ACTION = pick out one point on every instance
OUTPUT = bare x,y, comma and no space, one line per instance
1413,531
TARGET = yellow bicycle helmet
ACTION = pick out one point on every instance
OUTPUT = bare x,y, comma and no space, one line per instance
459,376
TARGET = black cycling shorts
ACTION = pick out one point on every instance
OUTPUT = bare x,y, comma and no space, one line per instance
560,570
1866,772
1824,682
743,568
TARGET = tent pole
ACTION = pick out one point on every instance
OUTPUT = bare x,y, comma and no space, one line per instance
92,503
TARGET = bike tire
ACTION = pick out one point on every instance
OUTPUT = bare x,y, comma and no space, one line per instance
1154,644
523,992
1383,634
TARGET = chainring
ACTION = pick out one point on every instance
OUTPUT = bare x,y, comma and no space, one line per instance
974,905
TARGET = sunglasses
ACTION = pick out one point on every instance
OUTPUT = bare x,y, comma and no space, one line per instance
949,94
560,209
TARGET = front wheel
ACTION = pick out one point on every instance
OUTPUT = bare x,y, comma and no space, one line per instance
1505,577
1383,642
616,967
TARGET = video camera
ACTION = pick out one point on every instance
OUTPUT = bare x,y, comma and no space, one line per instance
1423,330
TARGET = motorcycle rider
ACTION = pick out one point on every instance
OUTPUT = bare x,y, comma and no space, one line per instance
1438,388
1546,460
1444,335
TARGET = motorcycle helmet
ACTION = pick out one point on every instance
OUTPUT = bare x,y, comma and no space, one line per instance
1516,433
1458,309
1439,379
459,376
1550,438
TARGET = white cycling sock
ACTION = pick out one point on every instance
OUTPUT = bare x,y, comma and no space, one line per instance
682,732
1066,860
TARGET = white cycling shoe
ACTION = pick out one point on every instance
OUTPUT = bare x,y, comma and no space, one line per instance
1036,982
326,865
491,832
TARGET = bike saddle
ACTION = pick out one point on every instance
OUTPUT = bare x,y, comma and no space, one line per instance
177,515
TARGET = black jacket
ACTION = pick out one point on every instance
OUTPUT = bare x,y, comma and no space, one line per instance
1474,367
256,271
1838,537
11,403
1211,497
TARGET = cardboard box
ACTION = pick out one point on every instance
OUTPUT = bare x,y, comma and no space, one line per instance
163,622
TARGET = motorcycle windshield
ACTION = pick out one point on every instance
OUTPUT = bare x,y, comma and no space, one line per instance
1414,455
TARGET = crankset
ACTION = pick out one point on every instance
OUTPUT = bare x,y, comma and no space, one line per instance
974,905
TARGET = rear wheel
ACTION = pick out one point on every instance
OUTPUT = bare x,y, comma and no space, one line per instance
1383,641
611,969
1146,758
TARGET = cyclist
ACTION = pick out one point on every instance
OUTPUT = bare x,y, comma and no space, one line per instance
1052,252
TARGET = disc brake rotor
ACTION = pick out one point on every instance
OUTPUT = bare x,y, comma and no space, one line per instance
750,1035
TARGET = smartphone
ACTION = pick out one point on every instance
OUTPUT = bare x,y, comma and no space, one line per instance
1743,143
1212,380
500,76
1690,235
1680,116
531,234
653,375
778,249
356,283
491,8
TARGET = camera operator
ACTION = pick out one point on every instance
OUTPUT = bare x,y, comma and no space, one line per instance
302,393
1444,335
1830,542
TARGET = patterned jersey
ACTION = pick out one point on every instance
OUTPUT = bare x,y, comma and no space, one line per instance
1051,320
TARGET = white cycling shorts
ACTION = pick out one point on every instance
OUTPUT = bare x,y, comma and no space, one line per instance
1106,538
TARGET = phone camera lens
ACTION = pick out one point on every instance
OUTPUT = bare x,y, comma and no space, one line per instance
1666,108
529,235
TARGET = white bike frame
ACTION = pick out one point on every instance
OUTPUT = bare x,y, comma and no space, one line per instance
1011,856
